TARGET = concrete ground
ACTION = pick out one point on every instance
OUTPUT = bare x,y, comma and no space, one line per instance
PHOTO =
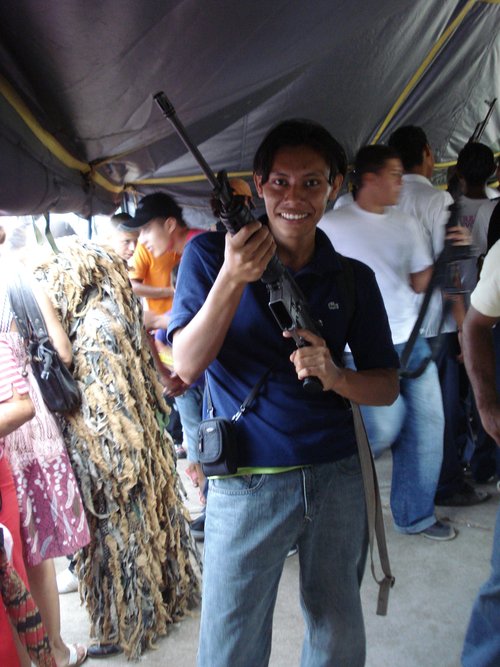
429,607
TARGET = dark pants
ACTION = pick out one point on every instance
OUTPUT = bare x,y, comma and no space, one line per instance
174,426
454,388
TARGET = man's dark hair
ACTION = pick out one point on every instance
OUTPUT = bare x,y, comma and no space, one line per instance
410,142
300,132
371,159
475,163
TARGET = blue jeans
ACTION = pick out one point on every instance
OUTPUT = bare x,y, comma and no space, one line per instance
251,523
482,641
190,406
413,427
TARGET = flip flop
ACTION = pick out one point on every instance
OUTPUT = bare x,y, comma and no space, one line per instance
77,654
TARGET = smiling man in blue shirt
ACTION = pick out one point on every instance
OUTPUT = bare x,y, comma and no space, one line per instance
299,478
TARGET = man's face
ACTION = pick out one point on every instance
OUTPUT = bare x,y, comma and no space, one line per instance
296,192
155,236
387,182
124,243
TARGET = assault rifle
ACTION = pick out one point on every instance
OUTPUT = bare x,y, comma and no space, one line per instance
481,126
286,300
445,276
475,137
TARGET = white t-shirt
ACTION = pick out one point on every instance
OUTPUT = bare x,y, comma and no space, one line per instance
420,199
344,200
481,224
392,246
486,297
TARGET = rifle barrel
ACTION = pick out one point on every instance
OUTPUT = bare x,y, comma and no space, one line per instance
169,112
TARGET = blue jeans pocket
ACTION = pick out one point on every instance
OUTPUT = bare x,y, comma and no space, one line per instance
237,486
349,466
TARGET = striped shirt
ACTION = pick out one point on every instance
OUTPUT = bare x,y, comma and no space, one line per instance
10,375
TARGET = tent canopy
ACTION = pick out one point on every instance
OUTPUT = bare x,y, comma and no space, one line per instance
79,125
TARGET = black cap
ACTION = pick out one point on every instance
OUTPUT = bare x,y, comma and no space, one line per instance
157,205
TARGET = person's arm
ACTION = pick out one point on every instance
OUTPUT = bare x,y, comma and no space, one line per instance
379,386
150,292
419,281
479,357
14,412
246,256
174,385
16,407
154,321
54,328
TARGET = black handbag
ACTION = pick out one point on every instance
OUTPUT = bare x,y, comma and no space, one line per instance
217,438
58,386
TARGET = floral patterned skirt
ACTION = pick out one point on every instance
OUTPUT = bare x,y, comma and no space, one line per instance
53,520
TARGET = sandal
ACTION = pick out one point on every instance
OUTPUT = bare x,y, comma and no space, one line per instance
77,654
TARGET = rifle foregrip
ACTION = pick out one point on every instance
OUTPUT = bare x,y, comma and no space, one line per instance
312,385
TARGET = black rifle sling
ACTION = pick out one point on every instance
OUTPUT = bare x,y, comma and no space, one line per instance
375,519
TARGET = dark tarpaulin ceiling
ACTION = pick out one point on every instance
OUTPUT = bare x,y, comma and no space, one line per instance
78,122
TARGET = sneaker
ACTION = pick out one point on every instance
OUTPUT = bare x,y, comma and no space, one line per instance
180,452
439,531
466,497
67,581
197,528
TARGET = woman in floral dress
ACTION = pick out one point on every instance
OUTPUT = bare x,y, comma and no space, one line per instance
53,521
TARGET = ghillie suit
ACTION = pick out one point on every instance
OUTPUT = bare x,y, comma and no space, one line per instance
138,573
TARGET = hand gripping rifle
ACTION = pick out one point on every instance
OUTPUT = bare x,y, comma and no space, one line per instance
286,301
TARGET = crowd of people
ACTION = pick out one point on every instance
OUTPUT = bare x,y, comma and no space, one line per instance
162,323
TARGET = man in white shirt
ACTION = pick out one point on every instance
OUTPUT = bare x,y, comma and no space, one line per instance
429,207
391,243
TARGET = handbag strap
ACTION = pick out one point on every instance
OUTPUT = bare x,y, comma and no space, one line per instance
374,511
246,403
27,313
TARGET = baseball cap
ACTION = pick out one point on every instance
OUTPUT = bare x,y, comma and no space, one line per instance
156,205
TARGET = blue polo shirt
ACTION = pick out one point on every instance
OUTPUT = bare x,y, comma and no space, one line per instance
285,426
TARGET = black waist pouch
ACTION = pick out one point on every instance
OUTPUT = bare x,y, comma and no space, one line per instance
217,448
217,440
